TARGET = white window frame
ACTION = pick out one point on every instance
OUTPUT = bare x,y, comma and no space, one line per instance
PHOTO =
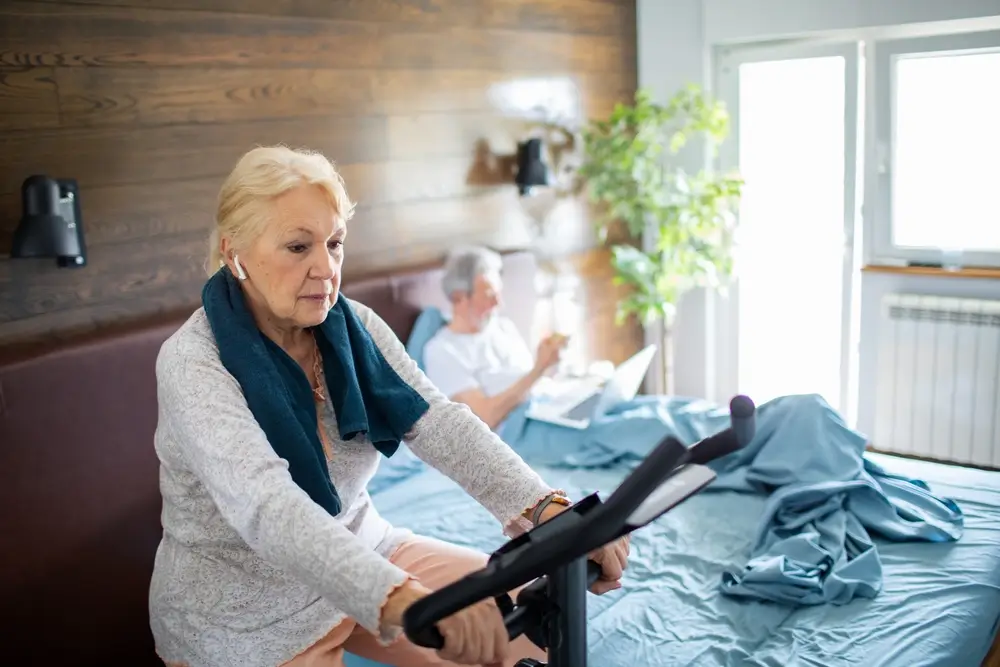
727,80
881,56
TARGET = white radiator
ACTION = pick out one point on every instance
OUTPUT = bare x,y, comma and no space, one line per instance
938,381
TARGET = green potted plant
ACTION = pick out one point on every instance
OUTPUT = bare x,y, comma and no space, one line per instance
679,225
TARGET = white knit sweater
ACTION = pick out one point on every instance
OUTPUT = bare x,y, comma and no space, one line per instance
250,571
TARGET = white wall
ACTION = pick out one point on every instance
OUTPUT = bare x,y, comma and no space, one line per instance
671,54
733,21
676,41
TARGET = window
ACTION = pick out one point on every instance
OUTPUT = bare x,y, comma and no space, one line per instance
906,131
935,155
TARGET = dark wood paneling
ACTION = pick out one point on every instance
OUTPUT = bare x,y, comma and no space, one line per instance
149,103
573,16
28,98
31,289
95,156
70,35
154,96
126,97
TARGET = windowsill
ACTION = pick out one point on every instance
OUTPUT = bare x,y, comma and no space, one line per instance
935,271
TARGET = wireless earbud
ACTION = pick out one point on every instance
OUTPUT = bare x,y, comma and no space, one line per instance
240,273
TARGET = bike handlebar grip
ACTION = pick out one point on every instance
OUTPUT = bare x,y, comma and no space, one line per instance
742,414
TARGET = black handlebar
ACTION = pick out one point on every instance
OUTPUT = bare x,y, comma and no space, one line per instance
519,620
430,637
576,532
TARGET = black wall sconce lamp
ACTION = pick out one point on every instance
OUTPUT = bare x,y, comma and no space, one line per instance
531,169
51,224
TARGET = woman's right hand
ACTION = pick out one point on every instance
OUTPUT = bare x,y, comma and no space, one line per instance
475,635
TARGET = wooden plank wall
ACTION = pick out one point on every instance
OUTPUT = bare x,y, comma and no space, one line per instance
148,103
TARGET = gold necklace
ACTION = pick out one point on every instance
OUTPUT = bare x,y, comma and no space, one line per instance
318,392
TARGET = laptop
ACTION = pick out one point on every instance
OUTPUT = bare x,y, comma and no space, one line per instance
586,400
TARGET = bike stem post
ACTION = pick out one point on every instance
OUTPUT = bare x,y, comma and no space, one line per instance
567,630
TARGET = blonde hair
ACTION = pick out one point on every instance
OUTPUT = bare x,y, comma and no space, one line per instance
262,174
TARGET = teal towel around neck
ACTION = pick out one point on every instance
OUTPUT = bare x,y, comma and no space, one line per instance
368,396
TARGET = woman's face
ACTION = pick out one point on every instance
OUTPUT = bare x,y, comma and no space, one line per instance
293,268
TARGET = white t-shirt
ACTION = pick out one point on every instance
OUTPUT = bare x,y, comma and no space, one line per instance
490,360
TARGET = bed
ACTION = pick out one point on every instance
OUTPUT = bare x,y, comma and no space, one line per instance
940,605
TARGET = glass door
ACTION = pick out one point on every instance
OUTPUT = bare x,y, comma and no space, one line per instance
794,139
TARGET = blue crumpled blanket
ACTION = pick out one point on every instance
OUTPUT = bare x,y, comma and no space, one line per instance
827,502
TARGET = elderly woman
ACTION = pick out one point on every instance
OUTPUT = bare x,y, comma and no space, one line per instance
276,399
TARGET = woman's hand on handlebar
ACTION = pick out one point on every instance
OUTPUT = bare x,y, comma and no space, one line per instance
475,636
613,559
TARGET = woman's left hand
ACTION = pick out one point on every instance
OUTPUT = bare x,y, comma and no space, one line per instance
613,558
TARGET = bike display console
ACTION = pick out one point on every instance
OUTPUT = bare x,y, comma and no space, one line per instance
551,609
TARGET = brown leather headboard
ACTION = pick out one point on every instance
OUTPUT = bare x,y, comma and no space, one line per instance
79,496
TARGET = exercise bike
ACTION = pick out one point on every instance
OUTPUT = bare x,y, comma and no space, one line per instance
551,611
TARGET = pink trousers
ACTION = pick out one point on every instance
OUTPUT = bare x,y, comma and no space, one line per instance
435,564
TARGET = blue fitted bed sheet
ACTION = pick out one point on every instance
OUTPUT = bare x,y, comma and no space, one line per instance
939,607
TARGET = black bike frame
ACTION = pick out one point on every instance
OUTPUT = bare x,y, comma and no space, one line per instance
551,610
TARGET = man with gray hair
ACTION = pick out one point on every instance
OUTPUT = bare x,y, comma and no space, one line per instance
480,358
